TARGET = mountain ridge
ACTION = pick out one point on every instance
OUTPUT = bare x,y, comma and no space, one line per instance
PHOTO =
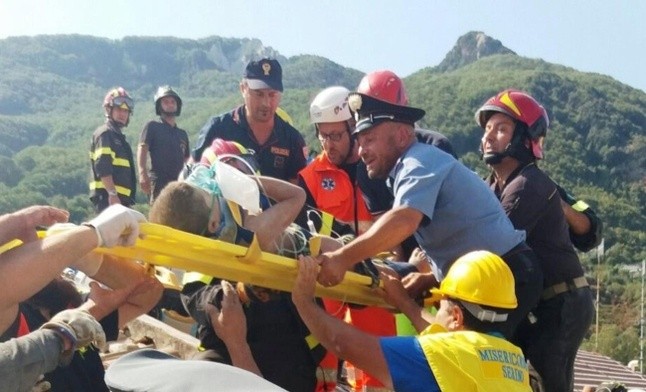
52,87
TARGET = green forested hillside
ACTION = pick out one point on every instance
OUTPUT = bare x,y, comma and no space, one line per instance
52,87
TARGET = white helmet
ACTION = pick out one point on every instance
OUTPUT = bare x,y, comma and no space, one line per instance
330,105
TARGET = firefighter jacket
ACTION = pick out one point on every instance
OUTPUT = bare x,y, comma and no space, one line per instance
111,155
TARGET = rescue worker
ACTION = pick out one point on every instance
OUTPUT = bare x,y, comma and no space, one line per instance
515,126
331,186
435,197
379,199
166,143
279,147
458,349
112,164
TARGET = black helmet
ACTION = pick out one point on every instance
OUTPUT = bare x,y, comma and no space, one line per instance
167,91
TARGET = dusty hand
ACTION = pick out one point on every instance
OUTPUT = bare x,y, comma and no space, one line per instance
417,283
229,322
305,282
41,385
78,325
144,183
28,219
393,291
104,300
332,270
117,225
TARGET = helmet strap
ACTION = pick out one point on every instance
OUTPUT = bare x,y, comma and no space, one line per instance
483,314
515,149
108,115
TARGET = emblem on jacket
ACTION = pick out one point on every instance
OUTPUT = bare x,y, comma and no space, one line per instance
328,184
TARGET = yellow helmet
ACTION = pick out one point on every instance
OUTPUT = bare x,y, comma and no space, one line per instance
479,277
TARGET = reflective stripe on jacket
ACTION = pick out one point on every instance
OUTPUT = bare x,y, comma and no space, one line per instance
111,155
334,193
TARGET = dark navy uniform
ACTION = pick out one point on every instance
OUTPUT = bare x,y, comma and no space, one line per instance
111,155
168,148
592,238
281,156
566,310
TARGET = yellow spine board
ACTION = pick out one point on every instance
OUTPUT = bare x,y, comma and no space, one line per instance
168,247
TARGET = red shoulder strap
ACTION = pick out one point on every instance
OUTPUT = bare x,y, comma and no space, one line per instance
23,328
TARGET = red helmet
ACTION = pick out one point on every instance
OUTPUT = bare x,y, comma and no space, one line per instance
521,107
118,97
524,109
384,85
220,147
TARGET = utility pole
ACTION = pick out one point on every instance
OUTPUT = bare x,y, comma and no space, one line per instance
641,324
600,252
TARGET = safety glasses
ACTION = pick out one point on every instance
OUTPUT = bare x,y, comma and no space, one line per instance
119,101
333,137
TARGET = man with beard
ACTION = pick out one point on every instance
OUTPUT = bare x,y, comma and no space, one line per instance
330,182
447,207
278,147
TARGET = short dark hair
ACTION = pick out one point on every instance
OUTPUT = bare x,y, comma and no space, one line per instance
58,295
180,206
474,324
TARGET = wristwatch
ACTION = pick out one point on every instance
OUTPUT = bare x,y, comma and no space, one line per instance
113,193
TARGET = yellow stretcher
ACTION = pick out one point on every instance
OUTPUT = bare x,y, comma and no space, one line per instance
165,246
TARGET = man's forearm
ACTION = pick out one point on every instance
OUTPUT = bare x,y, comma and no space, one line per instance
142,159
387,232
344,340
241,357
24,359
48,256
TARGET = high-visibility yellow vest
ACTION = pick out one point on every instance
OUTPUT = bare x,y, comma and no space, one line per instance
474,361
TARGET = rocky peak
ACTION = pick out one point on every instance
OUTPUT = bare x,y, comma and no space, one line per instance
471,47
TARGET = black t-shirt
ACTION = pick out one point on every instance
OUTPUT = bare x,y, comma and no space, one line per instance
281,156
168,148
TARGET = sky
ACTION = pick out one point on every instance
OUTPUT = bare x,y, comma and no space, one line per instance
601,36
